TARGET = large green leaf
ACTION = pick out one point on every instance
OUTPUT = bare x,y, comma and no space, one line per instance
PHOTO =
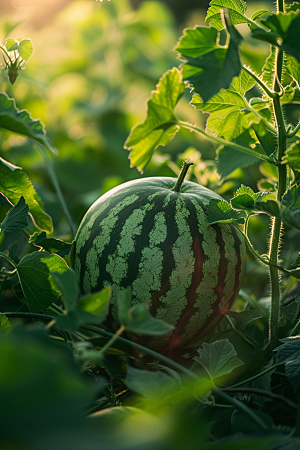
92,309
236,11
34,272
220,211
23,46
229,159
14,183
218,358
284,27
228,113
160,125
289,354
20,122
17,218
248,200
208,66
290,207
151,384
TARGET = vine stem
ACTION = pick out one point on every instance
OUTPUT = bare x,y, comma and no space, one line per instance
241,148
282,180
185,167
112,340
56,185
233,401
9,260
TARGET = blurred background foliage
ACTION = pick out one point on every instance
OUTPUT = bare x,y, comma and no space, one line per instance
92,71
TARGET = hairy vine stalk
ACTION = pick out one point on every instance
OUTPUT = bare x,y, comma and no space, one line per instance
282,179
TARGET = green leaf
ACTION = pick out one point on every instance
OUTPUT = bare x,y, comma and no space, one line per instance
283,26
267,140
66,282
219,358
207,66
289,354
236,11
137,319
290,312
34,272
49,392
160,125
5,324
11,44
20,122
90,309
292,156
290,207
52,245
96,304
151,384
14,183
295,6
17,218
228,113
247,200
220,211
268,71
229,159
25,49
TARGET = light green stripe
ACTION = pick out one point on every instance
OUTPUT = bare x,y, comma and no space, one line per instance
117,264
151,265
101,240
230,255
175,301
205,290
84,233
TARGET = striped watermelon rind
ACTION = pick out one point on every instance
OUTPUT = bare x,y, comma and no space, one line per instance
144,235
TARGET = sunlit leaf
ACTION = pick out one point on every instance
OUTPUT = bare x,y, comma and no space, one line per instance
11,44
20,122
14,183
236,11
17,218
292,156
160,126
282,26
25,49
290,207
246,199
5,324
220,211
228,113
207,66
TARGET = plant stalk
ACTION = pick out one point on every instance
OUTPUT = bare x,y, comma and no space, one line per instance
222,141
185,167
282,179
56,185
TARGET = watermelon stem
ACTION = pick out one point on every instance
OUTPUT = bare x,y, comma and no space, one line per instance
184,168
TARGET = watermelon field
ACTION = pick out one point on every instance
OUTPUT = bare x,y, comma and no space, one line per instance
149,225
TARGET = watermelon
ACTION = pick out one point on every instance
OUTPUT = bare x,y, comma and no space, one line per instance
152,234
